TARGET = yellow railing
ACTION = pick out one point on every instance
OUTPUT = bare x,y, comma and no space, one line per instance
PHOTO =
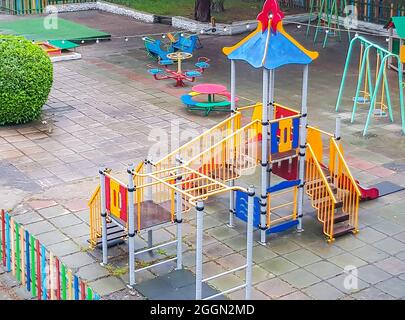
95,217
320,192
272,208
227,159
347,189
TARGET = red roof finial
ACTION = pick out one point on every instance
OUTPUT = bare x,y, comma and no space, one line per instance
270,7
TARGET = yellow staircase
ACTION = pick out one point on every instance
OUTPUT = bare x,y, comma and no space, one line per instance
332,189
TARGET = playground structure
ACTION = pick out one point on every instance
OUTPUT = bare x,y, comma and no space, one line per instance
269,136
373,91
158,49
179,75
327,19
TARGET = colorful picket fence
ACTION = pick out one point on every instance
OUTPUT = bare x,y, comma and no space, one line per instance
22,7
42,273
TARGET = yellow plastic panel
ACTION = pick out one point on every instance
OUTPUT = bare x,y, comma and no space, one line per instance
285,143
402,54
115,198
315,140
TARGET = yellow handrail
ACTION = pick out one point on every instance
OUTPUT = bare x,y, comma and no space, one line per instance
344,163
95,216
198,138
249,107
94,195
323,201
251,124
321,173
321,131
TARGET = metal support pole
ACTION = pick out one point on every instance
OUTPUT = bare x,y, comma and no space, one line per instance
264,160
198,251
401,93
233,109
270,117
390,46
233,85
347,65
231,204
249,244
303,145
374,96
360,81
103,216
337,129
179,222
150,239
131,225
148,190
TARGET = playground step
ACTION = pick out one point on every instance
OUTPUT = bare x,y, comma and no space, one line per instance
115,235
342,230
280,156
340,217
325,201
318,181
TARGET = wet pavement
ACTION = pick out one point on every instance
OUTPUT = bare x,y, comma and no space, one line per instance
103,110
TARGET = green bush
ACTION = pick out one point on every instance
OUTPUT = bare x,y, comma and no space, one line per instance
26,76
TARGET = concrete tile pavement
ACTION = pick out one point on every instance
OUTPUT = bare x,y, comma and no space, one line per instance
99,113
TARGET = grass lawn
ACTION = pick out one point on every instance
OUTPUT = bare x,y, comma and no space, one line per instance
235,10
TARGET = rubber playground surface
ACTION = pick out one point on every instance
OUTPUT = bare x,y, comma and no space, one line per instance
43,29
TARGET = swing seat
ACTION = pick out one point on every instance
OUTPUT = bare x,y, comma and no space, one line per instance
379,114
361,100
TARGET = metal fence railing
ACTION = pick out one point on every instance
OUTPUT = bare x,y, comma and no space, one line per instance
375,11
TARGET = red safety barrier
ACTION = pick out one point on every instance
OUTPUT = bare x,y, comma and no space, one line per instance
57,279
283,113
124,201
82,291
107,194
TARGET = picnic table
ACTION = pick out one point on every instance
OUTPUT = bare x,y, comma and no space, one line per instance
211,90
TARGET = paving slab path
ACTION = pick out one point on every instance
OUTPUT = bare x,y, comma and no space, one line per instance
105,110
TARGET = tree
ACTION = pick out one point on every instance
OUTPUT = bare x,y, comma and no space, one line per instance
202,10
217,6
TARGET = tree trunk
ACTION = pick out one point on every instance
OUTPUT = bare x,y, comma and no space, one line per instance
217,6
202,10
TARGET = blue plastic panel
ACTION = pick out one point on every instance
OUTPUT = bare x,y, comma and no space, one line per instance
296,133
282,227
283,185
241,208
274,138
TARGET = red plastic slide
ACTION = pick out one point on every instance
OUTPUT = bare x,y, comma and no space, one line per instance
368,193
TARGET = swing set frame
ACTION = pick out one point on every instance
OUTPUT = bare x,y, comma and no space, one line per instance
381,80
